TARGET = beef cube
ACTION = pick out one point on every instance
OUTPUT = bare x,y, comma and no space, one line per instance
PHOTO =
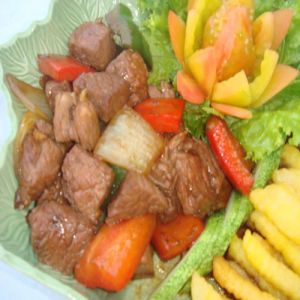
86,182
130,65
53,88
76,120
38,164
59,235
92,44
188,174
136,196
108,92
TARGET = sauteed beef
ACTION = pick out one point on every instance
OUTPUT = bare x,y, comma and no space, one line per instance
53,88
38,165
93,45
76,120
108,92
166,91
86,182
130,65
188,173
59,235
136,196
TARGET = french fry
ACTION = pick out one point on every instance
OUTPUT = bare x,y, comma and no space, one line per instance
288,176
280,203
290,157
289,250
237,253
236,284
271,269
202,290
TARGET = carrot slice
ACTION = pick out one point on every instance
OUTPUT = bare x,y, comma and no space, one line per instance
234,111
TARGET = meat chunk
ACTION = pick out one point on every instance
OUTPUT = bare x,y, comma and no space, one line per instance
38,164
86,182
54,192
130,65
59,235
76,120
53,88
187,173
166,91
136,196
108,92
92,44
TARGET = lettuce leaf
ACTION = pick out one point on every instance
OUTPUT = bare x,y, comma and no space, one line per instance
154,26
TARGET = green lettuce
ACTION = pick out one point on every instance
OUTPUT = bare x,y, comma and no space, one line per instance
154,26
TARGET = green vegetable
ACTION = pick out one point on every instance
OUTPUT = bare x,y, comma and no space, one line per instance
195,117
154,26
121,22
219,231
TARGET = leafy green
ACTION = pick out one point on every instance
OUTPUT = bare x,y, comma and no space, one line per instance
121,21
195,117
154,26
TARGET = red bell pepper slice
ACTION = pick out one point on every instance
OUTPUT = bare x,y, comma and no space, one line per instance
164,115
111,259
61,68
230,154
175,237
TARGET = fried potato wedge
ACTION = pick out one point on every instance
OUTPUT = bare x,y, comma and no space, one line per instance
235,283
280,203
289,250
290,157
271,269
288,176
202,290
237,253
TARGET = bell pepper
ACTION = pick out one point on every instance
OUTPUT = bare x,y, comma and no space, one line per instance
61,68
175,237
110,260
164,115
230,154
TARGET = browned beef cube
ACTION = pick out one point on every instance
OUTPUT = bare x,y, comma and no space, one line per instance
76,121
130,65
86,182
108,92
188,173
53,88
92,44
59,235
136,196
38,164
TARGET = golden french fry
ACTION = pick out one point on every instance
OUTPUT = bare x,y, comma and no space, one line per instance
289,250
290,157
275,272
202,290
288,176
236,284
280,203
237,253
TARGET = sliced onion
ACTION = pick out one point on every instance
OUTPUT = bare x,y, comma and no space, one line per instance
28,121
33,98
130,142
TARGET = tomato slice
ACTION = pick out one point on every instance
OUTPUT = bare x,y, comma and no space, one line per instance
111,259
164,115
61,68
230,154
175,237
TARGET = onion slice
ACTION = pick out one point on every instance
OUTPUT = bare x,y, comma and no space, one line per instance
33,98
130,142
28,121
